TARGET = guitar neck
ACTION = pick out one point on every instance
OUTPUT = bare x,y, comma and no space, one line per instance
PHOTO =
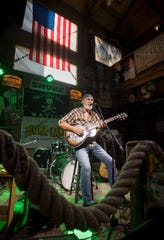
110,119
118,116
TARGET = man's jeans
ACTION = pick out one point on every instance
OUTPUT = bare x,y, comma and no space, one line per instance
82,155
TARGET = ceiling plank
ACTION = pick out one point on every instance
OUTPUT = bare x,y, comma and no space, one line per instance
95,6
130,13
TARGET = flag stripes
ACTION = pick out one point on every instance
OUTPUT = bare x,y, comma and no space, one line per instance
51,42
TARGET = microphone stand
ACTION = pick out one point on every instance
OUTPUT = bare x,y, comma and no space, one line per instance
99,112
113,219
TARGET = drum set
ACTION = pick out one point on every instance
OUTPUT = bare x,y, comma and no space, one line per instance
57,162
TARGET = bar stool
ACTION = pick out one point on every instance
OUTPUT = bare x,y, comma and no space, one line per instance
75,183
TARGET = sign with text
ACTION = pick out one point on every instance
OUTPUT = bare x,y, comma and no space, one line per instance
47,87
44,104
40,132
150,54
12,81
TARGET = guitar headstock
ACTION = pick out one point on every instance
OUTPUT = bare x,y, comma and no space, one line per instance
121,116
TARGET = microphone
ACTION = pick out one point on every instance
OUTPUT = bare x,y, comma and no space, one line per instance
93,104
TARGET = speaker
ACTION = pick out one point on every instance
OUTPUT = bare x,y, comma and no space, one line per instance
42,157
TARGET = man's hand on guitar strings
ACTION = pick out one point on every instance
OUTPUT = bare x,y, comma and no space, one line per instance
101,124
79,131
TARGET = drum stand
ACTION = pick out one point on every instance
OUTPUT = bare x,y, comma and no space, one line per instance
56,180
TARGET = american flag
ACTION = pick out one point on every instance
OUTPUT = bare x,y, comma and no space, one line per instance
51,34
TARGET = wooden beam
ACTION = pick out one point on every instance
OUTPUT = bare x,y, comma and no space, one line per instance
95,6
84,6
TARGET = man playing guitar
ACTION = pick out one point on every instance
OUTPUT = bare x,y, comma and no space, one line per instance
81,125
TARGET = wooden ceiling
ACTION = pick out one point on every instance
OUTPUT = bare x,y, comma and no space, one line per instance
128,23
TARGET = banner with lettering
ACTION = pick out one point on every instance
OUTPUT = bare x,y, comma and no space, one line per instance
150,54
44,104
40,132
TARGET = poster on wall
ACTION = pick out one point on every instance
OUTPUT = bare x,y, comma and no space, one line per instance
10,105
124,70
128,68
40,132
106,53
149,54
44,104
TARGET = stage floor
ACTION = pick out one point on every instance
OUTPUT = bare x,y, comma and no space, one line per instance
35,226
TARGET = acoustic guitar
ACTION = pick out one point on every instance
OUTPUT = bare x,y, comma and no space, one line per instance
90,131
103,172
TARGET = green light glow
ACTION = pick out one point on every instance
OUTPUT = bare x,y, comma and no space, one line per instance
82,235
1,71
49,78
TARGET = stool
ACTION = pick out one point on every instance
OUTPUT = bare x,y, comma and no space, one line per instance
77,188
76,180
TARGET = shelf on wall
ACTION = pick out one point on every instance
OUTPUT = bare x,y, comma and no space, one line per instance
151,74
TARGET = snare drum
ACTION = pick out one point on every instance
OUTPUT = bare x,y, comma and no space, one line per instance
63,167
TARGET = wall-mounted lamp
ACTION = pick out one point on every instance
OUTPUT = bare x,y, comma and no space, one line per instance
75,94
157,27
49,78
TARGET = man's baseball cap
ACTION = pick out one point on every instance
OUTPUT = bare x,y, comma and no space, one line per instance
87,95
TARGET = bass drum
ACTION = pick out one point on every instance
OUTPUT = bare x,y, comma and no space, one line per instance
62,170
42,156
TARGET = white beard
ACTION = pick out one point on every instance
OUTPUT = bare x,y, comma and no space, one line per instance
88,107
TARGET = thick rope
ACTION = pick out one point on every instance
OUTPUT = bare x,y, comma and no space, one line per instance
40,192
